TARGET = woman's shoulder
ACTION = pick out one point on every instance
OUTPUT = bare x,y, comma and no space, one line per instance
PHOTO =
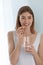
41,40
10,35
41,37
11,32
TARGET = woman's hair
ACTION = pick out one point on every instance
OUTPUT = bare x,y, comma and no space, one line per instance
22,10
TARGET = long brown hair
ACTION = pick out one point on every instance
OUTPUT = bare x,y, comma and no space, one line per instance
22,10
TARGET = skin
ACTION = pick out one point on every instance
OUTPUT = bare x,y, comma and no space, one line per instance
26,20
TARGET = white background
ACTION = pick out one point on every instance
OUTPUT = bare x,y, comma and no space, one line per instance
8,13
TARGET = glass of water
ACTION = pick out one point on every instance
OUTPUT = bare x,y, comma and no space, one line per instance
26,41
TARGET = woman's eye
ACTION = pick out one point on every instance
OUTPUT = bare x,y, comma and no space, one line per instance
23,18
29,17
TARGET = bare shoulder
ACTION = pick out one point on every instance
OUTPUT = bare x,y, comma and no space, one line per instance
41,47
41,39
41,42
10,34
42,35
10,37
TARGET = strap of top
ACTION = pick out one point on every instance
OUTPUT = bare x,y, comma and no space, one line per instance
37,42
15,38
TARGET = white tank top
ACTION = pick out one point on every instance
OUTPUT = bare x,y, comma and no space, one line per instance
27,58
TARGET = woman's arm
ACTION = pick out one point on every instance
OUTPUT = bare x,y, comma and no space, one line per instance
13,52
10,42
39,57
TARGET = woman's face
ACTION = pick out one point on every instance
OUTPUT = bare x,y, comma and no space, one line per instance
26,19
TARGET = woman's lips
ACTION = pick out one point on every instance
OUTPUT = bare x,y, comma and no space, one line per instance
26,24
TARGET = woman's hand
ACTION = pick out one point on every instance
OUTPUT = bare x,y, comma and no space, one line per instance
20,33
31,49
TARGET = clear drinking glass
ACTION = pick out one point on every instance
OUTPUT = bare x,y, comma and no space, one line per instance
26,41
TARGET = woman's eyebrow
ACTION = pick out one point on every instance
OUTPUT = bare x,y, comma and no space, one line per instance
22,16
29,16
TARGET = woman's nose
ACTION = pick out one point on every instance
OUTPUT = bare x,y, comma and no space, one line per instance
26,20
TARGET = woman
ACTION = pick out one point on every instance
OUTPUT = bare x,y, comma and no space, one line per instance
32,53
